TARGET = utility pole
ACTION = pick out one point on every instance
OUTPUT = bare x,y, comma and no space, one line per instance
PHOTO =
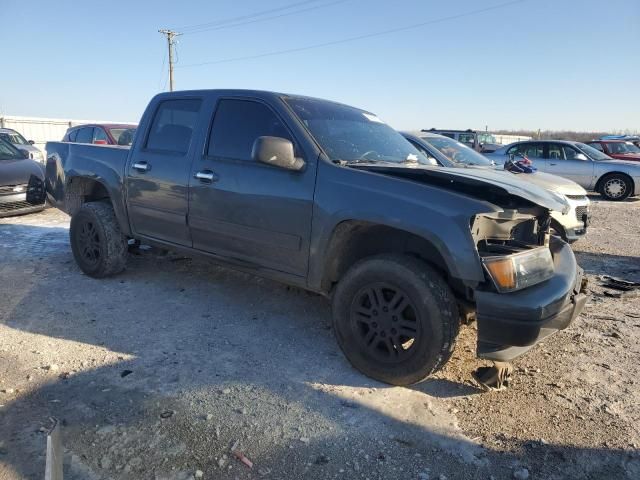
171,35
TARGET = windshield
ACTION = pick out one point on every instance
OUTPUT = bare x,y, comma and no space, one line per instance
486,138
592,152
123,136
352,135
457,152
13,137
622,147
9,152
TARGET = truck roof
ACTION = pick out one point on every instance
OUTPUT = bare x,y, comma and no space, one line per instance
264,94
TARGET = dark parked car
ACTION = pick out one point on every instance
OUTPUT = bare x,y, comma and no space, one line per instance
18,141
101,134
21,182
329,198
482,142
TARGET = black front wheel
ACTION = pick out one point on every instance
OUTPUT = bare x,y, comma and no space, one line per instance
97,243
395,318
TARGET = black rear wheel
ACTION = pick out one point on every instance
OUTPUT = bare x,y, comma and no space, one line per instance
98,246
395,318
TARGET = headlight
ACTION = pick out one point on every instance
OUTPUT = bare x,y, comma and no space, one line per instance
520,270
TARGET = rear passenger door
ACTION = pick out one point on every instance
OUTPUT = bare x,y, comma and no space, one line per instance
247,212
157,175
534,151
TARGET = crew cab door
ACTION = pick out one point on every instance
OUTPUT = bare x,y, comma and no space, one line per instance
157,177
250,213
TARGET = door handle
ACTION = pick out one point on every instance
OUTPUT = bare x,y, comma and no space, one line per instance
206,176
141,166
553,164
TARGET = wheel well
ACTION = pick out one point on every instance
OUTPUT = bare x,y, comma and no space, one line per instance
354,240
80,190
606,175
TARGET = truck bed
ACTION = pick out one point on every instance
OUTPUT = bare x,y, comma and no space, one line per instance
104,163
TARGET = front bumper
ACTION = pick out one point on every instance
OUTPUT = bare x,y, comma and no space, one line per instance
510,324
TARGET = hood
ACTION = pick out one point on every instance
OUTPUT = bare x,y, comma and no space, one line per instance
27,148
622,156
616,161
554,183
480,183
17,172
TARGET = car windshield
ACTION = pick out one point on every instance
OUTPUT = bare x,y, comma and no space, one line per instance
592,153
123,136
353,135
9,152
457,152
622,147
486,138
13,137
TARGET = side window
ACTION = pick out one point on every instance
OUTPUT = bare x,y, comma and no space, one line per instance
569,152
466,138
73,135
173,124
85,135
556,152
597,146
237,124
100,136
425,152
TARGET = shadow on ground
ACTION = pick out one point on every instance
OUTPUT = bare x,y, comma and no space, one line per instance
217,357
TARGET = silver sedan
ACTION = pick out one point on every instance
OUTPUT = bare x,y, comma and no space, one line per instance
588,167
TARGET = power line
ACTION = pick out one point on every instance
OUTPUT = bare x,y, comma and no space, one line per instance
164,59
257,20
358,37
245,17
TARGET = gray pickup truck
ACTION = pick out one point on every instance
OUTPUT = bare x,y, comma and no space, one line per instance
328,198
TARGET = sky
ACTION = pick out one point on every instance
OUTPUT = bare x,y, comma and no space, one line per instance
530,64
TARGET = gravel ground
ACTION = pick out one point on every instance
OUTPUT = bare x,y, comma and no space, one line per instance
158,372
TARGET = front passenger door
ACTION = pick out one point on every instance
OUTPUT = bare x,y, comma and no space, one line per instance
247,212
566,165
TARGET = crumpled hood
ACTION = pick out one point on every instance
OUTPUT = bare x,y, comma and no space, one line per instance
18,172
503,181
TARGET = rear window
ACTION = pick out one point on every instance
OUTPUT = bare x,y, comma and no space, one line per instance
173,125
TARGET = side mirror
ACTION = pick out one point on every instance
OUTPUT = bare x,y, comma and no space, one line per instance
276,151
580,156
31,142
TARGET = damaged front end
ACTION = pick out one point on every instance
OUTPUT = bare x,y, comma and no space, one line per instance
534,286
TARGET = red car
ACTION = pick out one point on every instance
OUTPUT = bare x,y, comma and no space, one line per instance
619,149
101,134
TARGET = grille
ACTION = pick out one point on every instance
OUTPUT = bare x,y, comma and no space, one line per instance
8,189
576,197
581,212
11,206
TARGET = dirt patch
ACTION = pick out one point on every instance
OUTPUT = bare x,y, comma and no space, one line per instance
160,371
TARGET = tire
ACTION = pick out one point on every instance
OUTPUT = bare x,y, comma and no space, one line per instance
99,247
410,334
616,187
